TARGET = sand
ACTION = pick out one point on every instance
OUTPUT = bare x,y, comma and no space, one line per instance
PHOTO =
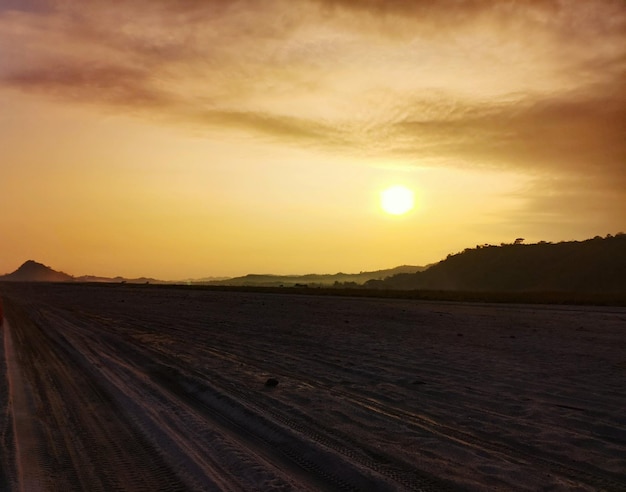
117,387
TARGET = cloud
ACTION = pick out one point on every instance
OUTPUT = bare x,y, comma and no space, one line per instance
91,82
566,132
279,127
526,86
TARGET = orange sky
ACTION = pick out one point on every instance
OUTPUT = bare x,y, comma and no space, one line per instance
178,139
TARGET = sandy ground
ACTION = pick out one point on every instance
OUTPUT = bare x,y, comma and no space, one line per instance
158,388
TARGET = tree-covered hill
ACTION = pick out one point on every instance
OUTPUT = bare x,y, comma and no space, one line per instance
594,265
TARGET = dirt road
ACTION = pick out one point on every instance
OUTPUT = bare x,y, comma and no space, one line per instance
112,387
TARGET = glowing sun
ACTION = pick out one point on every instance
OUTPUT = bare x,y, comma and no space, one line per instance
396,200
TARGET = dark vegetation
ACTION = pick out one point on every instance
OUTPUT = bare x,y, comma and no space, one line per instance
537,297
596,265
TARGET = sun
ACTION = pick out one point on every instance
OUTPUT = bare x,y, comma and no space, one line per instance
396,200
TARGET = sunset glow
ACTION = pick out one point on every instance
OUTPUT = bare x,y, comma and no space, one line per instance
218,138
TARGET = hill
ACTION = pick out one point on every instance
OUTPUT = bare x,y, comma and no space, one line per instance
31,271
115,280
314,279
595,265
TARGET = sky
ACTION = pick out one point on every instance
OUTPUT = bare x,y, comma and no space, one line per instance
180,139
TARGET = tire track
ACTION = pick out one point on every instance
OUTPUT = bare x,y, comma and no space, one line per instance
82,441
258,430
7,447
520,454
255,430
210,366
407,477
166,421
29,473
251,431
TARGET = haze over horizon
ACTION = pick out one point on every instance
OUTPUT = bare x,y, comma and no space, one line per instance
218,138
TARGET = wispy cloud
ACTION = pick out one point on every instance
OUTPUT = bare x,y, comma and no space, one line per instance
534,86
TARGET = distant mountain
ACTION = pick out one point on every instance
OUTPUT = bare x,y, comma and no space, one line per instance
202,280
31,271
314,279
117,280
595,265
145,280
